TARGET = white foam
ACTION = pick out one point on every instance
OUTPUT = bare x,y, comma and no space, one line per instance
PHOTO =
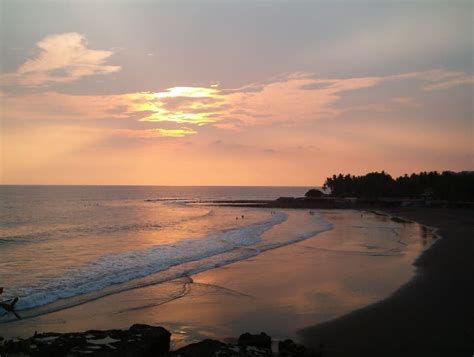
120,268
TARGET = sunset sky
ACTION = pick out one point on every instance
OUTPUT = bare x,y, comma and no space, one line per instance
232,92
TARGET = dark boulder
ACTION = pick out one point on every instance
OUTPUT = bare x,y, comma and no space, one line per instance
213,348
315,193
203,348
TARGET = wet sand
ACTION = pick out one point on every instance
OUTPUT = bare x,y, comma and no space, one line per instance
363,259
432,315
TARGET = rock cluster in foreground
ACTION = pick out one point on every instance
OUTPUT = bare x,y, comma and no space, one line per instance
143,340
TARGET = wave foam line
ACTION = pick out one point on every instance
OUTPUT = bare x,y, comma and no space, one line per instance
120,268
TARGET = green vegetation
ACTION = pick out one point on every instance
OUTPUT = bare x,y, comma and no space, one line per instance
443,186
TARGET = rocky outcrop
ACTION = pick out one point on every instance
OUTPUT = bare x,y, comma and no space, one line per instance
248,346
144,340
138,340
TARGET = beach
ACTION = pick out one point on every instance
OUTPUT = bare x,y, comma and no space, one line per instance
356,261
431,315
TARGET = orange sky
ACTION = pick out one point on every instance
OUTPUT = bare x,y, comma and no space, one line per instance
73,113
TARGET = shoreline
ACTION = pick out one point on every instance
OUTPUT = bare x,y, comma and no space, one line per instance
349,333
329,202
430,315
320,278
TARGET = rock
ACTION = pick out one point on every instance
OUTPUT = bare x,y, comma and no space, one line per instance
204,348
285,199
260,341
315,193
143,340
212,348
138,340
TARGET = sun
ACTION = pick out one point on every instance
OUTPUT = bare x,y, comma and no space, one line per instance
183,105
188,92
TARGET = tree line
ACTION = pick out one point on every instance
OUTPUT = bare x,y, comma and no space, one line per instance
448,185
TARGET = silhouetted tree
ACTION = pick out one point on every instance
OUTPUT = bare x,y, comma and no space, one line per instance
445,186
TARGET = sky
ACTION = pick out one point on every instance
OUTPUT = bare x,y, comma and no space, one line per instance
277,93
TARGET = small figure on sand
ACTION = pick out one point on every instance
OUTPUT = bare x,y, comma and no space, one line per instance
243,216
9,305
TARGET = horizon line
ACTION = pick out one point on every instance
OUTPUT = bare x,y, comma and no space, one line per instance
153,185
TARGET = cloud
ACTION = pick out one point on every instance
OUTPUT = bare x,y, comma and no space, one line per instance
157,132
193,105
287,100
175,133
449,83
58,106
63,58
303,97
294,98
436,79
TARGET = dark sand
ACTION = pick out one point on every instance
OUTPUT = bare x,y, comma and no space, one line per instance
432,315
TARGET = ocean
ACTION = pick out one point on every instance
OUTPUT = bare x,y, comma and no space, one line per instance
68,244
101,257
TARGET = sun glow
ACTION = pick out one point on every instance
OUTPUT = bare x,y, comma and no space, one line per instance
183,105
175,133
189,92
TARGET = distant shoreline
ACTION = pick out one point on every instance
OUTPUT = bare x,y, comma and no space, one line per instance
342,203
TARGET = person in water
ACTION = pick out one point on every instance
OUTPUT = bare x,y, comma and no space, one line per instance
9,305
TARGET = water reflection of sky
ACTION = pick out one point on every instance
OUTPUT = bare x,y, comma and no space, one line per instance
360,261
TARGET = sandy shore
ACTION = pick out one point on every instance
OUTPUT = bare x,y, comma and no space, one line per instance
431,315
363,259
